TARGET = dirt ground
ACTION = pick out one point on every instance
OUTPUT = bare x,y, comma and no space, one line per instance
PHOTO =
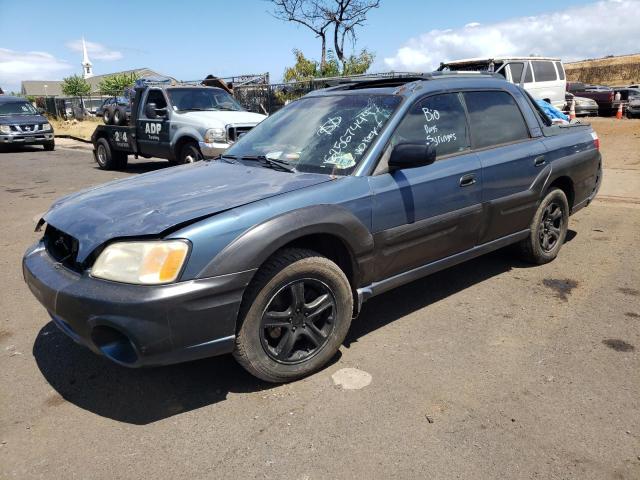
80,129
491,369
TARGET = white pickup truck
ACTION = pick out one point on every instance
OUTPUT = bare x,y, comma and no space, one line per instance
182,124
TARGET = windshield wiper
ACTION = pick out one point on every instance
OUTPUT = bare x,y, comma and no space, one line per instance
286,166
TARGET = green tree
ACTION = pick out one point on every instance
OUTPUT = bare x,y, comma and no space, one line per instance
306,69
357,65
118,83
75,86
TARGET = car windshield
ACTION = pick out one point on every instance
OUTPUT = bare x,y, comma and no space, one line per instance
17,108
202,98
327,134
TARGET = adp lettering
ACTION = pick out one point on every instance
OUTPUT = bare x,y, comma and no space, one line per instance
153,128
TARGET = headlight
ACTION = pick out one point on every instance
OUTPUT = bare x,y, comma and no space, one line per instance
5,129
46,127
144,263
215,135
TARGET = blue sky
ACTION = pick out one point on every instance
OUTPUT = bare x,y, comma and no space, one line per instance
190,39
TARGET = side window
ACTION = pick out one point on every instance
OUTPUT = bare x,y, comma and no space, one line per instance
495,119
157,97
516,71
560,70
528,76
439,119
544,71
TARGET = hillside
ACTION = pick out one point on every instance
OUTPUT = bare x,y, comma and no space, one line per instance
622,70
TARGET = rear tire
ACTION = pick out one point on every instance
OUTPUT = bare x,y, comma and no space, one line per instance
548,229
189,153
118,117
107,158
49,146
307,301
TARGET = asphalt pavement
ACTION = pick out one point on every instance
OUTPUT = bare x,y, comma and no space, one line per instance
491,369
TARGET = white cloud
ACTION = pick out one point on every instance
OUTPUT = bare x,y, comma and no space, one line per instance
17,66
96,51
594,30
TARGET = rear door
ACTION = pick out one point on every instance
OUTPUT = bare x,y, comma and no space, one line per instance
513,162
427,213
153,133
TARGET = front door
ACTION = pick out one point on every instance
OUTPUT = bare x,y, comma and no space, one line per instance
153,133
427,213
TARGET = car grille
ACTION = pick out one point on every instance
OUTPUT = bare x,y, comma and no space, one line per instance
62,247
234,132
32,128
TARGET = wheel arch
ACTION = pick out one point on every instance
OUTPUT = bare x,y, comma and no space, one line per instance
331,230
181,140
565,184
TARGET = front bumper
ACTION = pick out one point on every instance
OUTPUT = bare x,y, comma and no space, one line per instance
137,325
211,150
590,110
26,139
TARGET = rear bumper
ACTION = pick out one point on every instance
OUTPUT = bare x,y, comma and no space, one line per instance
22,139
136,325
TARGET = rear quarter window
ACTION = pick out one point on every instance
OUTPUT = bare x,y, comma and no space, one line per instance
560,70
495,119
544,71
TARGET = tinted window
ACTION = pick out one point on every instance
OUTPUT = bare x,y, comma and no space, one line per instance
544,71
560,70
516,71
528,78
156,96
495,118
439,119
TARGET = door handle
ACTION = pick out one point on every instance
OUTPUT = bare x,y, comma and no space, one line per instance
539,161
468,180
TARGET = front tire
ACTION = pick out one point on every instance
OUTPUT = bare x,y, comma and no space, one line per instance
49,146
548,229
189,153
294,317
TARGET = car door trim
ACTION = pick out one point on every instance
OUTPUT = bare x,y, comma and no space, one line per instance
376,288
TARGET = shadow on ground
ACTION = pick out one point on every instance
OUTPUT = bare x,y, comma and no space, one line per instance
142,396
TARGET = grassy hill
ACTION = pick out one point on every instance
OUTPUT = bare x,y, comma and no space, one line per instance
622,70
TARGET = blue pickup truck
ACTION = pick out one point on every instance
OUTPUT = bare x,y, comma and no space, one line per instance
269,251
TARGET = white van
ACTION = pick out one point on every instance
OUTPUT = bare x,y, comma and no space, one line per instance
542,77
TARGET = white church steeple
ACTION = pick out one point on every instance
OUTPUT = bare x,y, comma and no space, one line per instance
87,66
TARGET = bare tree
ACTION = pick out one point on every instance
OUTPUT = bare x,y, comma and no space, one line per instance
319,15
310,13
346,16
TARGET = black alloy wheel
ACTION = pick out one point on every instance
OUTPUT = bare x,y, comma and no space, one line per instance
550,229
298,321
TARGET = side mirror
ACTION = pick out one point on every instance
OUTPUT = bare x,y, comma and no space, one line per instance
150,110
41,111
412,155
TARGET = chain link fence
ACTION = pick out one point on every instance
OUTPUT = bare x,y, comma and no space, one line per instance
254,92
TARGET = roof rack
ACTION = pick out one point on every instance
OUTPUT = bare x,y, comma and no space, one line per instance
361,83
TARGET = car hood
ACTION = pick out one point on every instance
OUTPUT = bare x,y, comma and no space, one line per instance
153,203
223,117
21,119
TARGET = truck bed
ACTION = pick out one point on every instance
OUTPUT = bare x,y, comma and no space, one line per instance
120,138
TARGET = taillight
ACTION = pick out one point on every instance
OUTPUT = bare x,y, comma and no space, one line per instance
611,96
596,140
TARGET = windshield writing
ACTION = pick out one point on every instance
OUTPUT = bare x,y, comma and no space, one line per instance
320,134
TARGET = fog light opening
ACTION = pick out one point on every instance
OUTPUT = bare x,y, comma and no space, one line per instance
114,345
